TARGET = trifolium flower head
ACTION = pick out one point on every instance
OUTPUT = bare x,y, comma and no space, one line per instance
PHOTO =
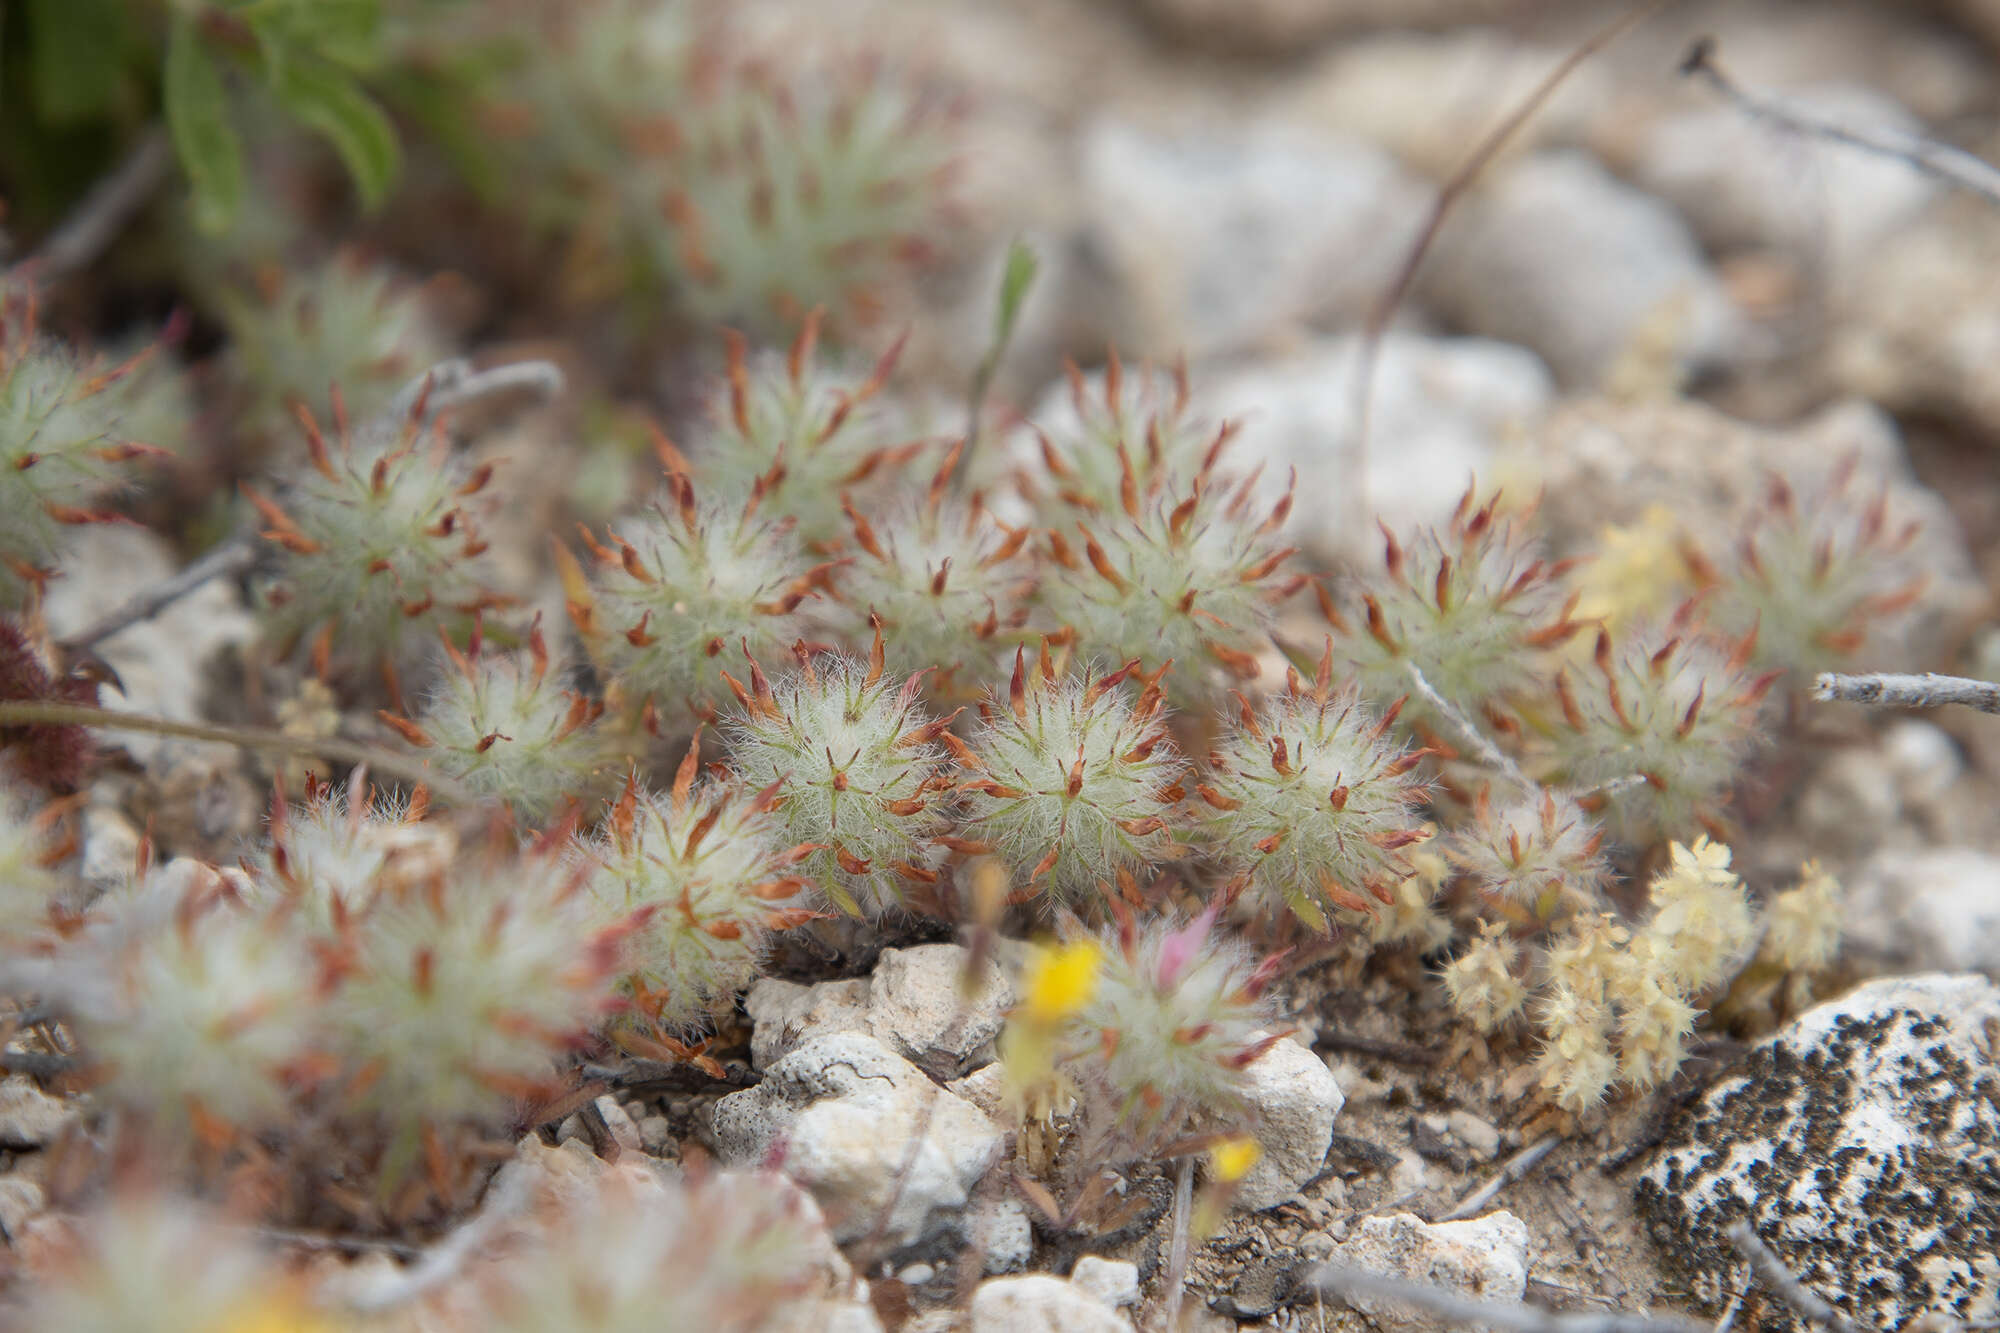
1070,779
705,875
858,770
377,541
679,587
511,726
1310,803
1540,852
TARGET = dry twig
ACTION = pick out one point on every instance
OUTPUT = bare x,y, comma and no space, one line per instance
1785,1283
1457,1311
1449,193
226,560
1511,1170
1893,690
1954,166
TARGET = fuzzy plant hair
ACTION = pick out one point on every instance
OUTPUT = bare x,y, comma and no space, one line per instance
1167,576
1538,852
1307,802
859,772
1159,1047
505,725
377,544
1813,569
462,990
688,582
1471,606
726,1251
804,439
786,190
1658,727
1102,433
198,1008
330,854
338,322
1069,780
164,1264
703,873
61,445
944,579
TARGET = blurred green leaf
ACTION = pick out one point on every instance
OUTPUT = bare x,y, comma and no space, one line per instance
1015,280
197,108
329,101
346,32
77,61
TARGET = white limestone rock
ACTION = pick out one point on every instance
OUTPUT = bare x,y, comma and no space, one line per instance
839,1114
1862,1142
1039,1303
1295,1100
1480,1258
1559,255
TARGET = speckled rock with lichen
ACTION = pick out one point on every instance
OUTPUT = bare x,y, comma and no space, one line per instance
1863,1144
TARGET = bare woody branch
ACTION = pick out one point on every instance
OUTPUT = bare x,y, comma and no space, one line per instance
1785,1283
1888,690
1455,1311
1954,166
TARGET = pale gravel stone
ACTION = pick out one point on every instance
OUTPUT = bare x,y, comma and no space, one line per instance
1295,1101
839,1114
1927,908
1559,255
1039,1303
911,1001
29,1117
1113,1281
1480,1258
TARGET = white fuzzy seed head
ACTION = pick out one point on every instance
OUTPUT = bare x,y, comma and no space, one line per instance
61,444
1814,567
1070,780
1111,425
803,438
330,854
1472,605
943,579
689,583
1191,577
509,726
378,545
27,884
1176,1014
1663,721
726,1252
340,322
1310,800
705,865
465,990
859,773
1540,852
201,1007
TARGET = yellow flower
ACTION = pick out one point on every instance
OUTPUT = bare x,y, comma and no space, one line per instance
1230,1160
1059,981
274,1314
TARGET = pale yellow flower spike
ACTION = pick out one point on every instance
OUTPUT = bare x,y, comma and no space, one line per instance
1232,1159
1059,981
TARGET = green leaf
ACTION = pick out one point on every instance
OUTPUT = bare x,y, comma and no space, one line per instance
198,116
78,62
330,102
1015,280
347,32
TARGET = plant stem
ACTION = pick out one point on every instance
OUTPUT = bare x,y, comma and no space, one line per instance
41,712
